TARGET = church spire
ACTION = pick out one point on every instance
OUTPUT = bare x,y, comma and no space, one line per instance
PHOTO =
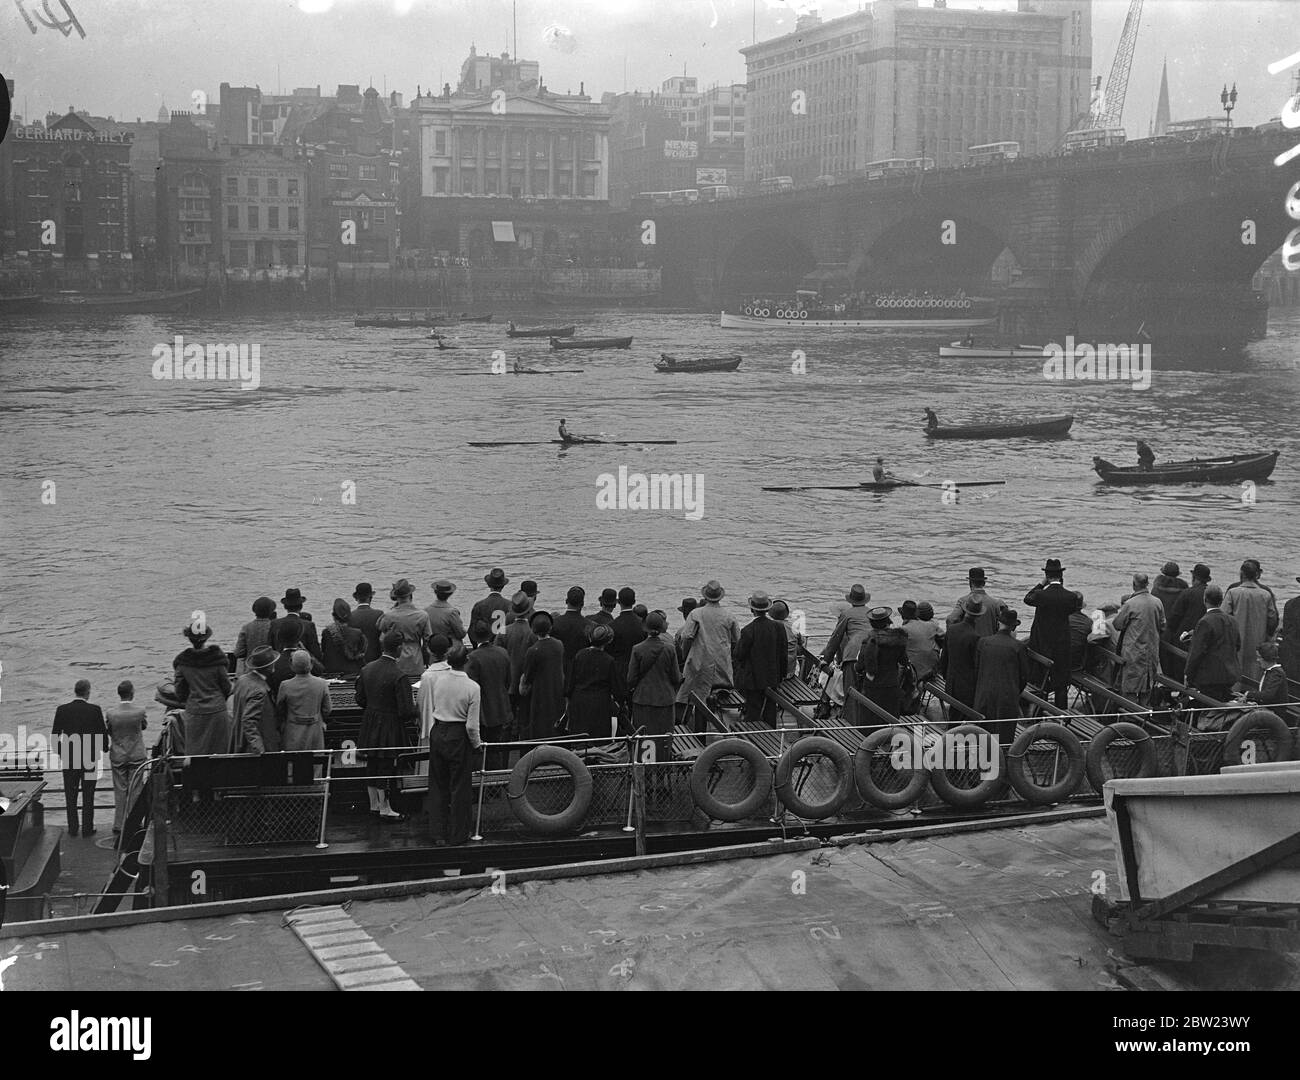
1162,103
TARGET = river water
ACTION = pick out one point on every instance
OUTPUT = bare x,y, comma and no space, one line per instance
128,502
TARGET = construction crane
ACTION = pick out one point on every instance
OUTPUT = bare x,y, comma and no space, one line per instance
1107,109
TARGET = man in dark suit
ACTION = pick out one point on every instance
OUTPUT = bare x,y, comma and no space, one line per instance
282,669
1050,634
366,619
1181,620
608,598
487,608
1001,672
292,600
629,630
1213,666
82,736
761,660
570,629
957,661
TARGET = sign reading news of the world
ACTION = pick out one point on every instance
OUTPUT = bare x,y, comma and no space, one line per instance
681,149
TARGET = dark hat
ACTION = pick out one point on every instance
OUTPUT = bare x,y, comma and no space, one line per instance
689,604
439,644
1170,569
857,595
520,602
496,578
907,609
780,610
759,601
292,598
879,616
1202,572
529,586
364,591
608,597
576,596
640,611
166,692
713,590
480,631
263,607
1051,568
443,587
541,618
391,640
627,596
401,587
972,607
342,609
601,633
197,635
925,610
976,575
1109,607
1007,617
655,621
262,657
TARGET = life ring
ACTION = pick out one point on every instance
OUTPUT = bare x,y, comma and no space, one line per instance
815,811
1257,720
1023,781
1095,760
961,797
880,302
568,819
752,803
780,313
749,309
871,791
765,312
966,304
803,314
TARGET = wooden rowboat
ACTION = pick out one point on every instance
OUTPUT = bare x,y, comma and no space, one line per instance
542,331
991,352
1225,470
592,343
1049,427
671,364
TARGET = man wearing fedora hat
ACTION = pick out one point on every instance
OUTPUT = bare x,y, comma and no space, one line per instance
987,621
708,639
412,623
1187,611
1140,622
605,616
292,601
487,608
254,634
1167,585
571,629
1053,605
1253,606
1001,671
957,660
628,629
443,617
517,640
879,668
761,660
366,619
845,645
255,728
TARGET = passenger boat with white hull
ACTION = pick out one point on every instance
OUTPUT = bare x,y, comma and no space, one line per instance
882,311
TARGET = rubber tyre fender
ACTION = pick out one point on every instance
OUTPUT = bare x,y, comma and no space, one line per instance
752,803
1100,742
766,312
803,314
1019,776
965,798
1253,721
867,787
749,310
815,744
780,313
571,817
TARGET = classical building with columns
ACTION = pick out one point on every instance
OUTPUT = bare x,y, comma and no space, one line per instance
534,166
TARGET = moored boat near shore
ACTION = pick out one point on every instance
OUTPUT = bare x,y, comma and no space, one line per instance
880,311
67,303
961,350
540,331
1048,427
1224,470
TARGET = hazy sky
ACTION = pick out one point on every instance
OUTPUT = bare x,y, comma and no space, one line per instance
137,54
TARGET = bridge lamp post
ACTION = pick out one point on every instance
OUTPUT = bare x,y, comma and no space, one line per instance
1229,102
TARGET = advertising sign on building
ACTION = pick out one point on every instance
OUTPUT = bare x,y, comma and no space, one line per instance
681,149
710,177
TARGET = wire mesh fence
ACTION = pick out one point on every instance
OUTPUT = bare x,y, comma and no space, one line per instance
233,818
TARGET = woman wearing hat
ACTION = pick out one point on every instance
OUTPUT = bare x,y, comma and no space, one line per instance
203,685
412,623
541,684
302,705
343,646
254,634
880,666
1168,585
709,637
653,677
594,687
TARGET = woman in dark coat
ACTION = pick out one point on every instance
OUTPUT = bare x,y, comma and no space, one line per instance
388,713
594,687
1002,669
343,647
880,664
202,684
541,683
653,676
253,635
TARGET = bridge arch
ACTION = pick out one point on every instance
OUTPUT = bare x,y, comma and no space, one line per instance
766,261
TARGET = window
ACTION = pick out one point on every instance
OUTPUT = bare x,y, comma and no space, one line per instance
232,217
289,252
368,172
272,217
338,170
252,185
291,186
253,223
238,253
440,181
293,219
440,142
262,252
273,187
381,215
345,214
232,185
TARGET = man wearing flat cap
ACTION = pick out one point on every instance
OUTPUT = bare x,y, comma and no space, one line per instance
761,660
443,617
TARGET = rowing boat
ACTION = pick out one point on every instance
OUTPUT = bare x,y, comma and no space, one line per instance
542,331
887,485
1048,427
672,365
990,352
592,343
399,322
552,371
465,317
584,442
1229,469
